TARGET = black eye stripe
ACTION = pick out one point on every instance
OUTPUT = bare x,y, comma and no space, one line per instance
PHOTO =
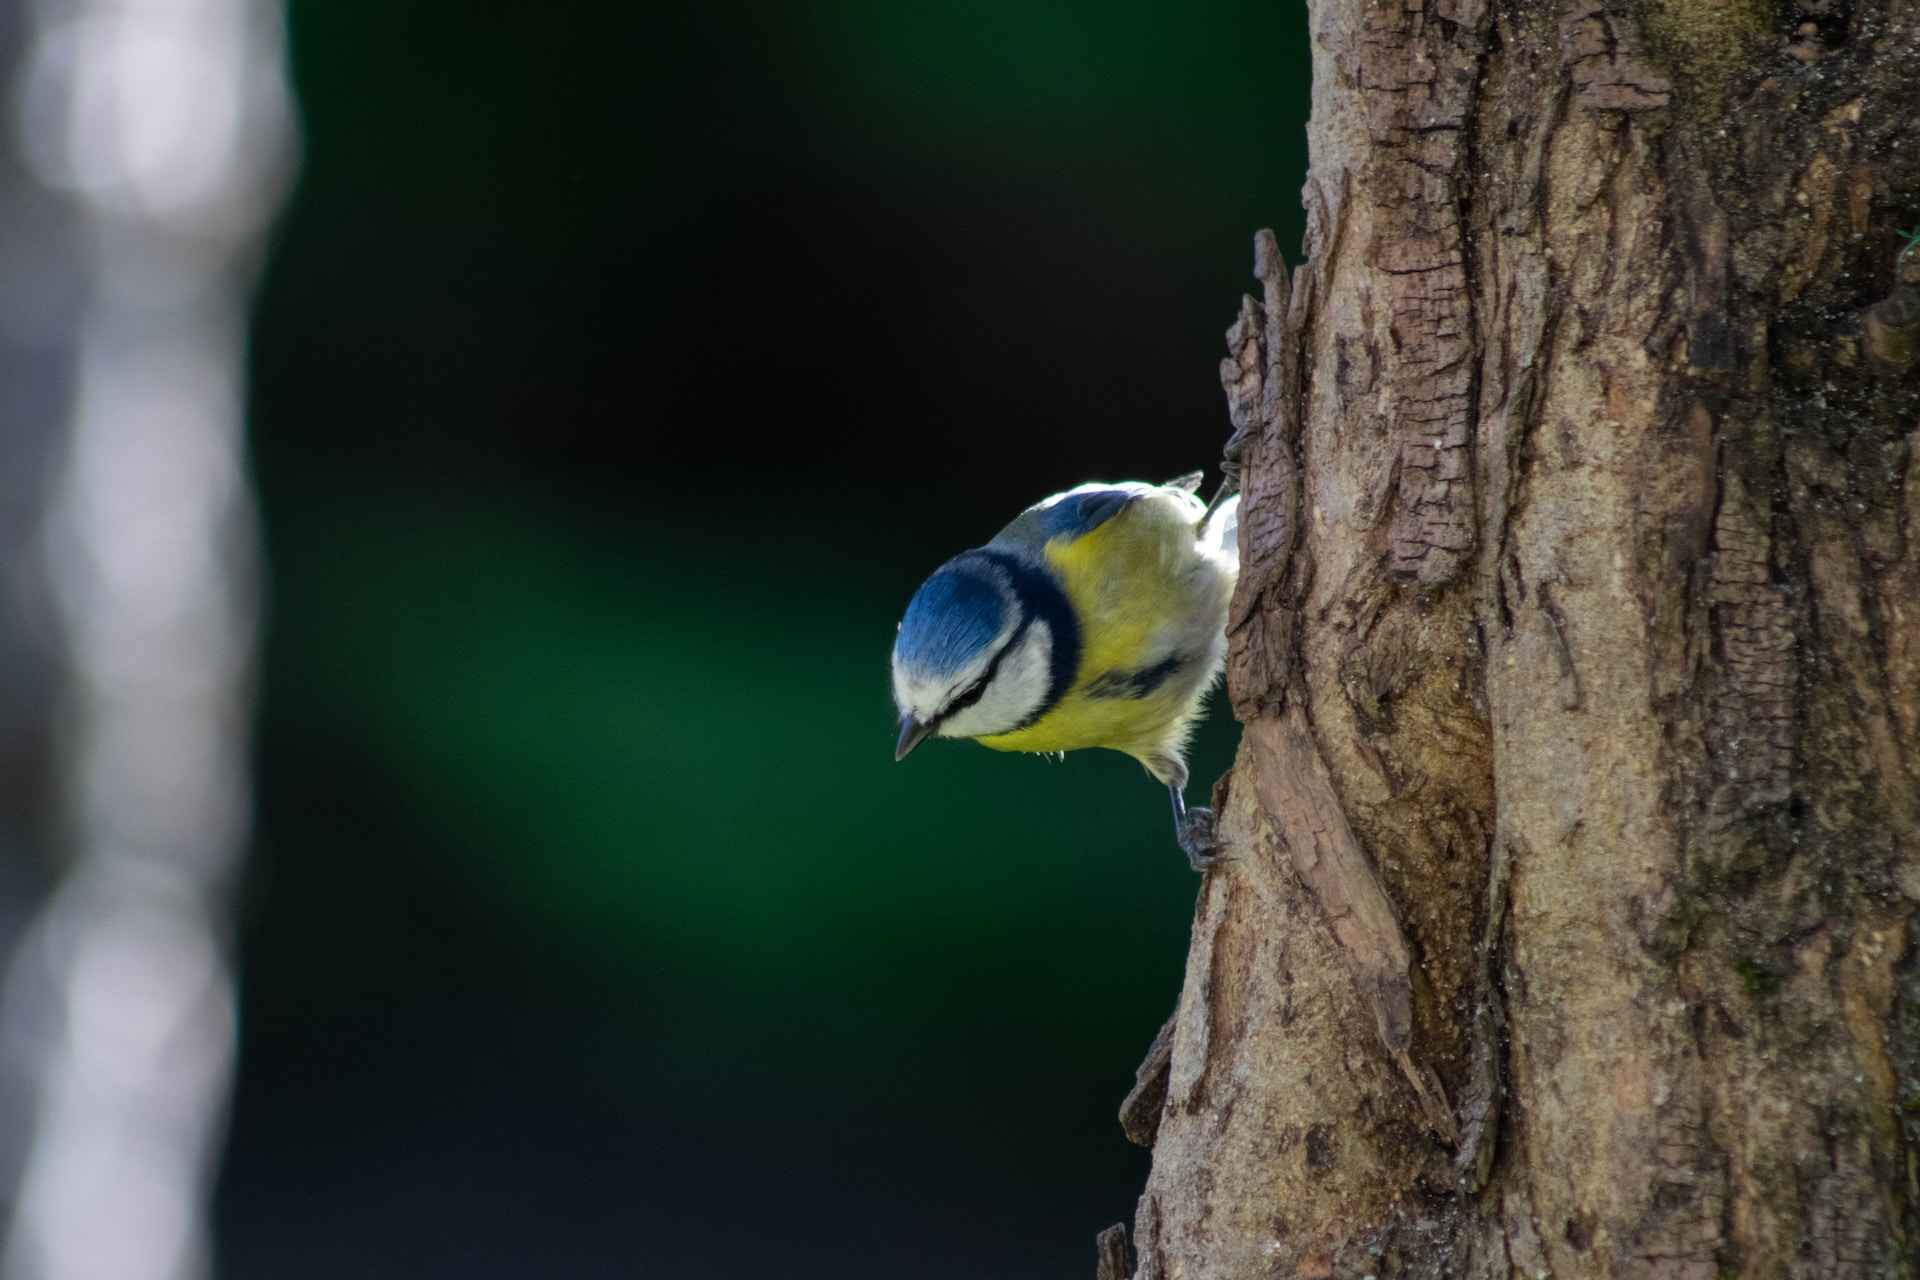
975,691
972,694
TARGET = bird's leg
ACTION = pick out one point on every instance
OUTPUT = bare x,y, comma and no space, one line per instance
1232,458
1193,832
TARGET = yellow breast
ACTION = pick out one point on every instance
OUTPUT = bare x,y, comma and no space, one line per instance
1131,584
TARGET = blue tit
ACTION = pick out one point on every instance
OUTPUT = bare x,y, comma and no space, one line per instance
1096,619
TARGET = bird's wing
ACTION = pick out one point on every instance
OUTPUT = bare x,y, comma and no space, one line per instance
1079,511
1069,515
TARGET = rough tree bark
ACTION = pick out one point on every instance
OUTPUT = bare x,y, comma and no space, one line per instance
1577,646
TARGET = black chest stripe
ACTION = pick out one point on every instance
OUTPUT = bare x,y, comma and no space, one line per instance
1135,684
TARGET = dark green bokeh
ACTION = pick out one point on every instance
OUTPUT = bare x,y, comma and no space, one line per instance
619,373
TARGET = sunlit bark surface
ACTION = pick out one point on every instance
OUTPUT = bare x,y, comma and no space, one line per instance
1578,652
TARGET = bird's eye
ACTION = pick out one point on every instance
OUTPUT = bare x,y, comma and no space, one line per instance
969,696
972,693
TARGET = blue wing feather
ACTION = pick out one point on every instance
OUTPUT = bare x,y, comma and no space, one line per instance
1081,513
1069,516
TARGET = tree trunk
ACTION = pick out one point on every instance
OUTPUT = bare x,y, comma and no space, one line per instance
1577,644
155,140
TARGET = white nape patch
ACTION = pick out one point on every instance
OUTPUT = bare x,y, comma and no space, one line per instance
1014,696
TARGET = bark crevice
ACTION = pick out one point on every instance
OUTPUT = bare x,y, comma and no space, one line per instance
1578,649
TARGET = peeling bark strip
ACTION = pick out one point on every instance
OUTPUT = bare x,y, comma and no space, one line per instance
1261,378
1284,1114
1578,646
1330,864
1414,70
1292,779
1110,1247
1140,1110
1751,732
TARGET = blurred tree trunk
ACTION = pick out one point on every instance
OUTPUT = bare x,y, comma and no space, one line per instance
1578,651
151,144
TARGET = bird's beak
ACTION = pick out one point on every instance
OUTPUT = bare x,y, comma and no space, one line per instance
912,734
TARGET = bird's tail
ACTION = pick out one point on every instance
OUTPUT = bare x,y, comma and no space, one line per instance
1220,535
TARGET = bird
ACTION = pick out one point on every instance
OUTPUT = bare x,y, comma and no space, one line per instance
1096,618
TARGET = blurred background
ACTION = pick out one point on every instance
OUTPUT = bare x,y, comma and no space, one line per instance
606,376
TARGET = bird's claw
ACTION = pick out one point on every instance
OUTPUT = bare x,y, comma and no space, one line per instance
1198,840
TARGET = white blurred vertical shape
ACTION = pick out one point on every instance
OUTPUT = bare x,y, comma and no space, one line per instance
167,126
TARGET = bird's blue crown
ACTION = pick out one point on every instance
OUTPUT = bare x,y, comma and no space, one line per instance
953,616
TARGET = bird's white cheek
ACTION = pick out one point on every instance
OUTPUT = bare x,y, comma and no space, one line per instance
922,697
1017,693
